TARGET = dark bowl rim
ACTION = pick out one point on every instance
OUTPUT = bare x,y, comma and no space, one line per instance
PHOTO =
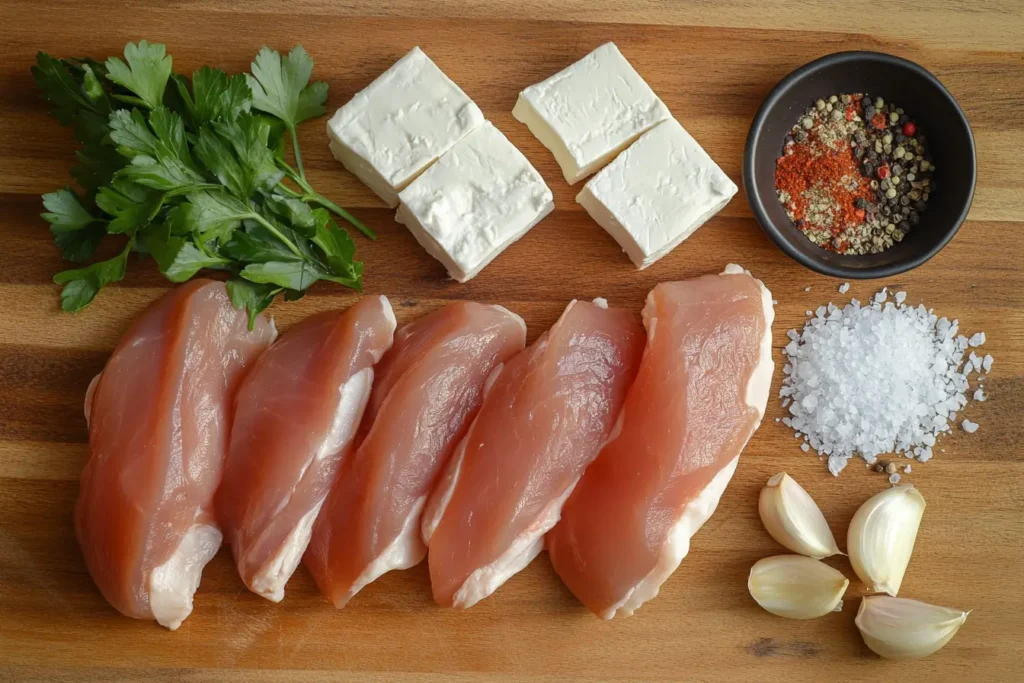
757,206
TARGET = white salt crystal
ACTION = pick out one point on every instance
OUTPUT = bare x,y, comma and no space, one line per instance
894,478
974,361
775,302
874,379
844,288
807,289
979,395
906,469
969,427
804,447
987,362
977,339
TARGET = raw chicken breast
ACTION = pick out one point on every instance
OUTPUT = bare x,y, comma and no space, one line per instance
700,395
159,416
296,415
544,417
429,386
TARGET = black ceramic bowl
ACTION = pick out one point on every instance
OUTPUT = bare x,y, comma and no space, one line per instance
925,101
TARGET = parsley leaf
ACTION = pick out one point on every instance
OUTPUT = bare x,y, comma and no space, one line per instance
211,215
251,296
74,96
219,96
159,153
99,162
64,211
194,175
79,245
60,89
145,74
339,249
293,212
287,274
282,88
178,258
237,153
82,284
132,206
76,232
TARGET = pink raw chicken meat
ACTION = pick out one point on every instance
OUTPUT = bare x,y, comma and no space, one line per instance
158,416
429,386
699,396
297,413
544,417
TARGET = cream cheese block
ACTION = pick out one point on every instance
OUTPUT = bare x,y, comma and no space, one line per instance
590,111
479,198
657,193
400,124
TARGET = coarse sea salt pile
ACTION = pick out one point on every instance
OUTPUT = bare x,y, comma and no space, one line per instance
880,378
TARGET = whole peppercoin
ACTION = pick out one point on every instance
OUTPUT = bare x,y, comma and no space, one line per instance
909,129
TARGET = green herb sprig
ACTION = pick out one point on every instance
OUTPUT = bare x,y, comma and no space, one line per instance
193,174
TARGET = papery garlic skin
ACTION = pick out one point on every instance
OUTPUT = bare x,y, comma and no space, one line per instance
793,518
796,587
881,537
898,628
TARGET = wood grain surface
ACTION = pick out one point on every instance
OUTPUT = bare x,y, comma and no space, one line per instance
712,63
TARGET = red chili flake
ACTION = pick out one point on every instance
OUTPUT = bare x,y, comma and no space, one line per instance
909,129
878,121
883,171
850,112
815,166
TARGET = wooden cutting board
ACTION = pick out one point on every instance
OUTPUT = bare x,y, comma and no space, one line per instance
712,63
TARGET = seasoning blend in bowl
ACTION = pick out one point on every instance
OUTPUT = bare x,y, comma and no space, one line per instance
855,174
930,109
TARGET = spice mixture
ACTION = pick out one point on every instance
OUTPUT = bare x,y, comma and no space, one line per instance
855,174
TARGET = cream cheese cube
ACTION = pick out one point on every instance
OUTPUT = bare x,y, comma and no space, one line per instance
590,111
480,197
657,193
400,124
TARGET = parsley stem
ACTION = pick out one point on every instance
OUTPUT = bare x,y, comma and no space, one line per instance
310,195
298,154
277,233
317,198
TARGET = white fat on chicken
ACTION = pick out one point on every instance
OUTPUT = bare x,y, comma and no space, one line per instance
269,582
700,509
354,394
489,578
405,552
172,584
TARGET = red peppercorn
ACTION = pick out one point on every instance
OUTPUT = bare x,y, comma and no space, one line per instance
909,129
878,121
850,113
883,171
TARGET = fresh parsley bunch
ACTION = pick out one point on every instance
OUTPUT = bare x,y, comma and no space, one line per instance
194,175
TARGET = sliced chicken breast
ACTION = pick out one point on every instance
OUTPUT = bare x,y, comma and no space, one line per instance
295,419
699,396
159,417
429,386
544,417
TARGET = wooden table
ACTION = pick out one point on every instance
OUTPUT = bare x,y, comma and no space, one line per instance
712,63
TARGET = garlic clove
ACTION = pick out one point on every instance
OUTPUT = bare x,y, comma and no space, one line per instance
793,518
881,537
796,587
898,628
